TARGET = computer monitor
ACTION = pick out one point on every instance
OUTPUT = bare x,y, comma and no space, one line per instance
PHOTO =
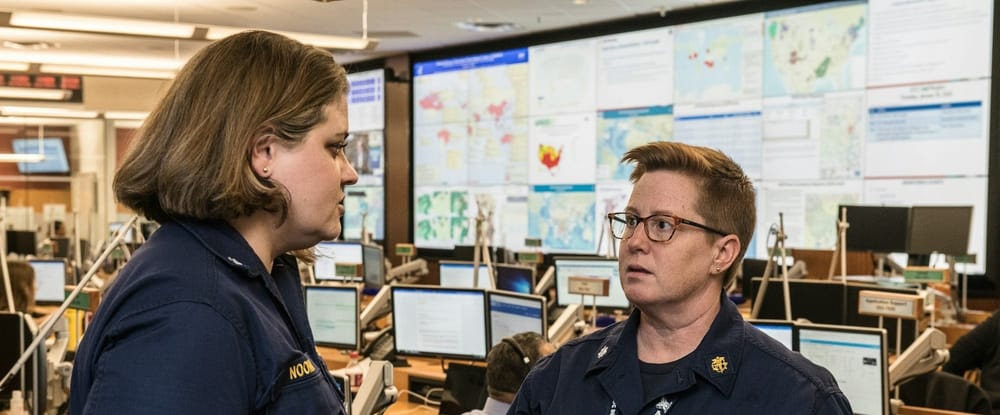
780,330
374,265
876,228
439,322
940,229
21,242
512,313
856,357
18,334
459,274
515,278
50,280
819,301
599,267
55,160
333,315
61,248
338,261
464,388
113,228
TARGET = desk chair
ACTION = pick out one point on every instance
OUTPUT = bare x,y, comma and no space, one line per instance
464,389
943,390
19,331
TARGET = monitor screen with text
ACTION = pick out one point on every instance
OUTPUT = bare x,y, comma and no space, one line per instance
461,274
439,322
857,359
511,314
333,315
50,280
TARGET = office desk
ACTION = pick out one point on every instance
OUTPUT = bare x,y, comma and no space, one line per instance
954,330
405,407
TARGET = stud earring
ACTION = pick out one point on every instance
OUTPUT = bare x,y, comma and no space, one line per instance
718,269
265,170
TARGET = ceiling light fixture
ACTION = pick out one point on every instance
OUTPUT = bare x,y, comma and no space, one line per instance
14,66
478,26
180,31
125,115
21,158
46,112
320,41
106,71
90,59
34,93
97,24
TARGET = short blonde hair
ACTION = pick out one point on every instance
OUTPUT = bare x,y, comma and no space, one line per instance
727,198
191,158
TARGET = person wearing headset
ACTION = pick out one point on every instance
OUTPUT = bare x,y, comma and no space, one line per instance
506,366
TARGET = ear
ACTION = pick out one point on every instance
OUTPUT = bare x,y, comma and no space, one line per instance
727,248
262,152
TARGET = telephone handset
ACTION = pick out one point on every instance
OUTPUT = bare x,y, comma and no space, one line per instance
383,347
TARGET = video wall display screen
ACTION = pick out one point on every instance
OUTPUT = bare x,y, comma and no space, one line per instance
851,102
365,201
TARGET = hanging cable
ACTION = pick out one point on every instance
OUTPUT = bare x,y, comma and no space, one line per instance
364,19
177,42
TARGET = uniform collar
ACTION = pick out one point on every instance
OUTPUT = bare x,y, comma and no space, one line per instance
717,358
720,354
225,242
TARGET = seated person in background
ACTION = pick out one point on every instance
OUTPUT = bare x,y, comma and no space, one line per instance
507,365
979,349
22,286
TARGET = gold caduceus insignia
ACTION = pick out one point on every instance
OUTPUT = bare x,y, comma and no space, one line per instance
719,364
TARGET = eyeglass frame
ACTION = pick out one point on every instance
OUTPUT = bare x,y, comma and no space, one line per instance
677,220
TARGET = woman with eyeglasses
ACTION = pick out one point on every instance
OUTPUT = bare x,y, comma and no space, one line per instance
685,348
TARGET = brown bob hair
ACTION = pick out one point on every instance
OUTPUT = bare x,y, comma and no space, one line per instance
191,158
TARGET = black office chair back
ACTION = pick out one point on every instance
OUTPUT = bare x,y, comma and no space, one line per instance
18,335
943,390
464,389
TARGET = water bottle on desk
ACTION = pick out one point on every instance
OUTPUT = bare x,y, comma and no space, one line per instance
353,370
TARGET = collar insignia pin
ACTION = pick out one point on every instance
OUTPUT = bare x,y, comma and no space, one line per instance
602,352
719,364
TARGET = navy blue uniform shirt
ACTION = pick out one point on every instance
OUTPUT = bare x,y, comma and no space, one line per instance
194,324
736,369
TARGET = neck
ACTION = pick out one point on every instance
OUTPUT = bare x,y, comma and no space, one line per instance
259,231
669,333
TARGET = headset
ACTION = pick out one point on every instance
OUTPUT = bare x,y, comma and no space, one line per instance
520,352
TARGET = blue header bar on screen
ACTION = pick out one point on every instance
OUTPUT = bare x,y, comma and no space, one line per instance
507,57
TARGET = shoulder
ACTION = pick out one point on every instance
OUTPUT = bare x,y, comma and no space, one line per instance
160,280
576,355
760,351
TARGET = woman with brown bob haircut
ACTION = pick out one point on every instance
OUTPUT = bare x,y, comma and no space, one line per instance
242,163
